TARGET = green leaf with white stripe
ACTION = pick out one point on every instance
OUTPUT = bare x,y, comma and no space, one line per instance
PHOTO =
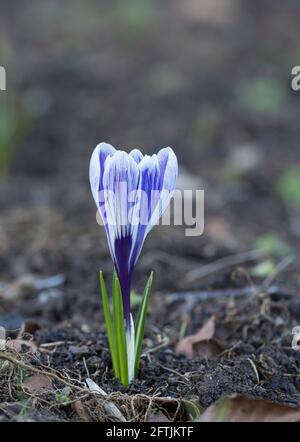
109,327
119,328
140,323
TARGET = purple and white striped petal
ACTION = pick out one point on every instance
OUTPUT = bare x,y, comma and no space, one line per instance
101,152
149,187
120,180
168,167
157,185
136,155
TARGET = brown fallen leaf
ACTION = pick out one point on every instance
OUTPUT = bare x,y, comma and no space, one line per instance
37,383
14,344
18,344
28,327
202,343
18,288
81,411
246,409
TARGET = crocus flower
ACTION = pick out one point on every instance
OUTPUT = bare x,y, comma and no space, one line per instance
131,192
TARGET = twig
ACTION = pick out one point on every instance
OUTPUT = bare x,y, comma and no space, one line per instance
36,370
54,344
165,342
176,373
220,264
254,368
86,367
288,260
205,295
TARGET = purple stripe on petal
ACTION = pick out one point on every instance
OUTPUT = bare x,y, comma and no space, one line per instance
122,251
121,177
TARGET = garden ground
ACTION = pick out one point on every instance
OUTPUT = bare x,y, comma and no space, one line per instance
212,82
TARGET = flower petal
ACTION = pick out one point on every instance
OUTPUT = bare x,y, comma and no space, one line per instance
99,155
136,155
120,180
168,166
149,192
170,170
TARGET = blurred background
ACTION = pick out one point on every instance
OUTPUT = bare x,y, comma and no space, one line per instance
210,78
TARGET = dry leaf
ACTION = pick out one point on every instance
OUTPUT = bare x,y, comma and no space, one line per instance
81,411
28,327
245,409
202,344
17,289
17,344
37,383
208,349
14,344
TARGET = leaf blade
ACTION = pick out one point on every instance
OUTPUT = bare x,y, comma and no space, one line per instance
109,327
118,314
140,323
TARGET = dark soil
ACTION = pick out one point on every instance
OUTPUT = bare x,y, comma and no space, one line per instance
150,85
173,375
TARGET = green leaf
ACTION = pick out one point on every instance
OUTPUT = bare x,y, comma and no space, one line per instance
261,95
140,323
135,299
15,123
264,269
288,186
273,245
134,16
110,328
119,329
63,396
